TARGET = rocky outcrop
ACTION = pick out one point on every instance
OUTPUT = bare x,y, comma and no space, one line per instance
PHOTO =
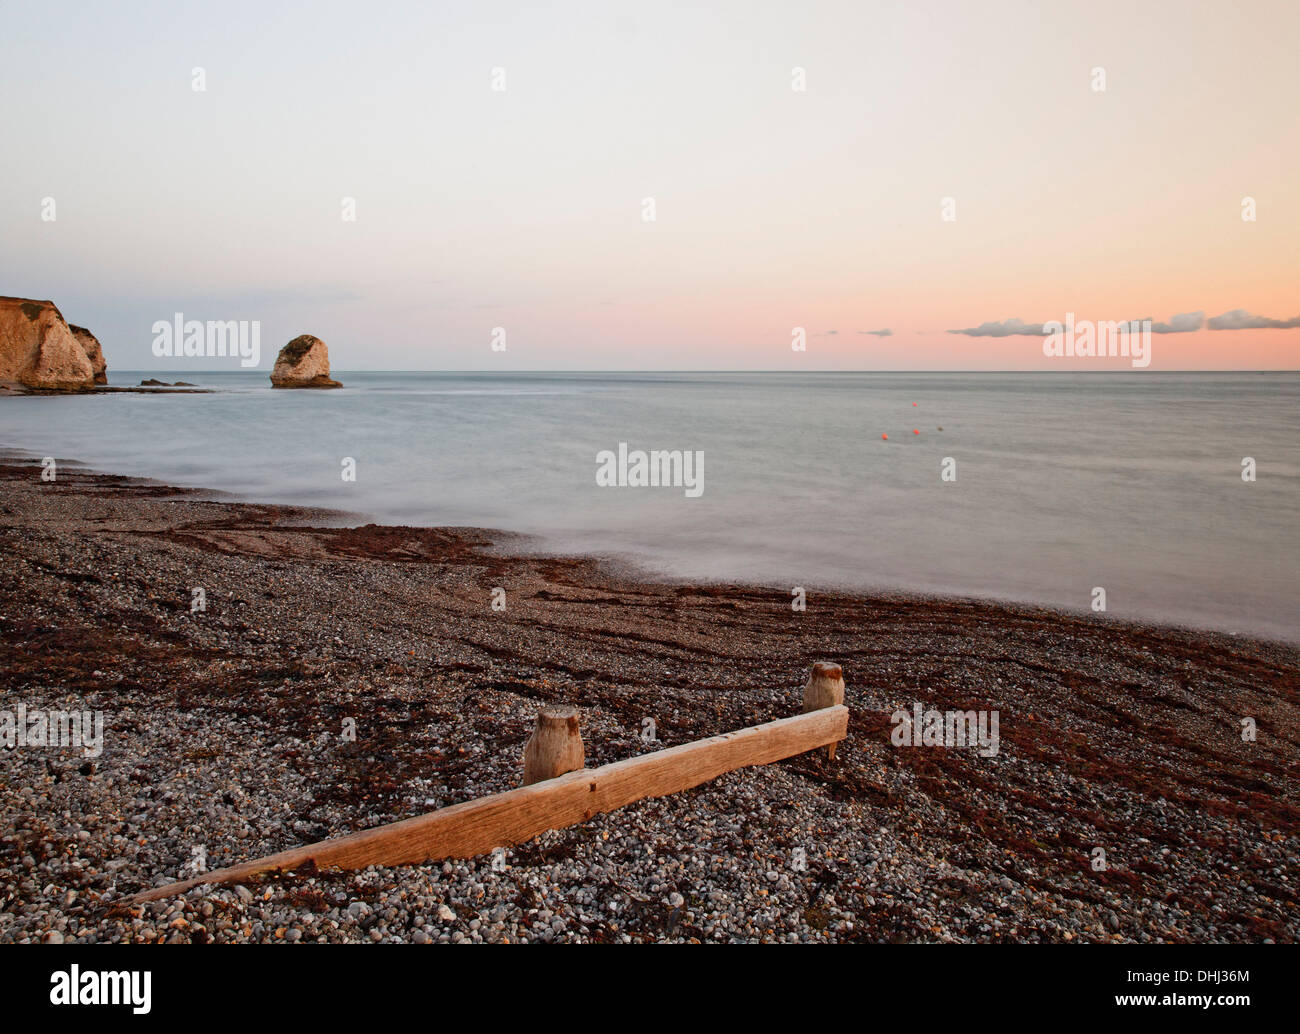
303,363
90,345
38,350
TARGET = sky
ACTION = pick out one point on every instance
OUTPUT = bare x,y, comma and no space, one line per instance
774,207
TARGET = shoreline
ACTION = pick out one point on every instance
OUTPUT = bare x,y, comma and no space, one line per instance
633,568
222,732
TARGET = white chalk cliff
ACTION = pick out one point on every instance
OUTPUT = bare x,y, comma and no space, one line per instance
38,350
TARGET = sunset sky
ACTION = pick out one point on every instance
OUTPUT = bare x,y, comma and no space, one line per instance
775,208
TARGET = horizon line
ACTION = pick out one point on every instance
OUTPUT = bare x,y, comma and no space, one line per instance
1099,373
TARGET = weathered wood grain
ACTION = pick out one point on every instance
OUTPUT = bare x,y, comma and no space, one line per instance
555,747
825,689
477,827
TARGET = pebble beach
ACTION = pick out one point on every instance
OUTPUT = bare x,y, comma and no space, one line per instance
224,740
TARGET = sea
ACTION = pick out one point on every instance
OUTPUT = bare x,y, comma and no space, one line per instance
1177,495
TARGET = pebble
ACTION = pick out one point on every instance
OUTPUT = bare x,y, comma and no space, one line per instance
249,760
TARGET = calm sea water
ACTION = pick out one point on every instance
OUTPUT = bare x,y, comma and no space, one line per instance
1131,482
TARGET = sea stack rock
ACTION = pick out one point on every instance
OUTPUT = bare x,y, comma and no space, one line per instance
90,345
303,363
38,351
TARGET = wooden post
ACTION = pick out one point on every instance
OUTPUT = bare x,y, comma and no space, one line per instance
476,827
825,689
555,747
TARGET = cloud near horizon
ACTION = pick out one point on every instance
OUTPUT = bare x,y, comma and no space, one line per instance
883,332
1240,319
1006,328
1181,323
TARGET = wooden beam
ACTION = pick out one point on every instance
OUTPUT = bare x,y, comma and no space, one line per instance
478,826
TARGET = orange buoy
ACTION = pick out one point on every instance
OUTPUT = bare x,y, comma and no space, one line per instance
885,437
914,403
915,431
